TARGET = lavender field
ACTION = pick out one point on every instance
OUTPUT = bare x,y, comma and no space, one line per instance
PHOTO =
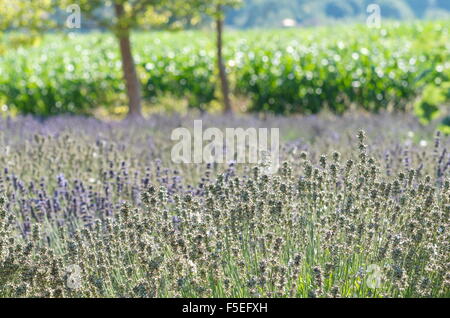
224,155
98,209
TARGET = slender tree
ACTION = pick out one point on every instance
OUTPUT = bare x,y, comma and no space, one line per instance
216,10
127,15
128,67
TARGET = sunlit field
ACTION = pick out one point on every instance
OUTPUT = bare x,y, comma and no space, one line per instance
278,71
224,149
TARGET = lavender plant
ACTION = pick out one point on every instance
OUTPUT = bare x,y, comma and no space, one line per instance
95,209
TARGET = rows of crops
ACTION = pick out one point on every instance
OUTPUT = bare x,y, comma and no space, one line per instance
280,71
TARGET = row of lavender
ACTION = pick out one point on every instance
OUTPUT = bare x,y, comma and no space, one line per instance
71,175
77,168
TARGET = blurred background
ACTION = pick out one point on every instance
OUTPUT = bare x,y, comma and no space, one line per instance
113,59
272,13
288,13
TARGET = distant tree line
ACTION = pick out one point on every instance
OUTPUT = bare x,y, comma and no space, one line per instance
271,13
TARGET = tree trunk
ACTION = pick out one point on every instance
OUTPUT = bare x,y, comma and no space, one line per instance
225,88
132,84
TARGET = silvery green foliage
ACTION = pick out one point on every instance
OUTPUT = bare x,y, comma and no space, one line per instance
98,209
